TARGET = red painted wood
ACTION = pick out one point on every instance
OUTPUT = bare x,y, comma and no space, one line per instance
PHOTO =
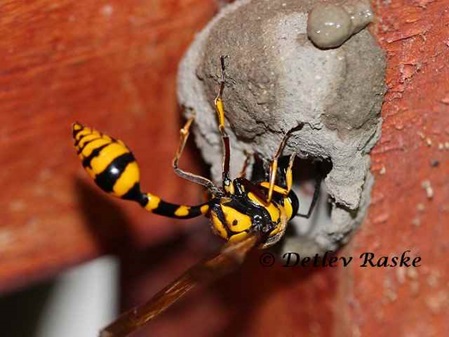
413,152
109,64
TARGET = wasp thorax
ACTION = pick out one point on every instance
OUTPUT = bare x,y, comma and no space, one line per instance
236,216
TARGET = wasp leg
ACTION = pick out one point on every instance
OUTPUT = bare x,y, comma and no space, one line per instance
230,257
289,177
219,108
289,182
274,167
242,173
316,194
274,164
184,135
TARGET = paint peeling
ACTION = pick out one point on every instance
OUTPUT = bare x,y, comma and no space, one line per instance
427,186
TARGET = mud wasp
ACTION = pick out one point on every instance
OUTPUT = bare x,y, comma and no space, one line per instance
245,213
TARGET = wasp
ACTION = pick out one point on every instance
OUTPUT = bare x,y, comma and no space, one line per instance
245,213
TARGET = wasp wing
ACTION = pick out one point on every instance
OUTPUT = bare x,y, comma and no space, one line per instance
230,257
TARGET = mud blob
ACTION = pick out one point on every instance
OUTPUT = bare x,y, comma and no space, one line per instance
330,25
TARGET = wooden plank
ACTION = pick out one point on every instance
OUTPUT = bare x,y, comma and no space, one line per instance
111,65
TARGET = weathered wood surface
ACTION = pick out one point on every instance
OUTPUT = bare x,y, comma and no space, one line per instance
111,65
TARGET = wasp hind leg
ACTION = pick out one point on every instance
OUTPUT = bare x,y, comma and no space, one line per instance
184,135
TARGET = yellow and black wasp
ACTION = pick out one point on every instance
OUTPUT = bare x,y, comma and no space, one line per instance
246,214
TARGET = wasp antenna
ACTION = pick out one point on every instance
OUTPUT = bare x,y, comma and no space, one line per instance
223,64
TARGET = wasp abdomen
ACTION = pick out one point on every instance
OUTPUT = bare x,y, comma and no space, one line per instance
109,162
154,204
114,169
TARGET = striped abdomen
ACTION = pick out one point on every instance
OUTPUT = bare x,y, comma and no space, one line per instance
114,169
108,161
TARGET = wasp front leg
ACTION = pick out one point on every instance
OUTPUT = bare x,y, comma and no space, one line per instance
285,191
219,108
274,164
